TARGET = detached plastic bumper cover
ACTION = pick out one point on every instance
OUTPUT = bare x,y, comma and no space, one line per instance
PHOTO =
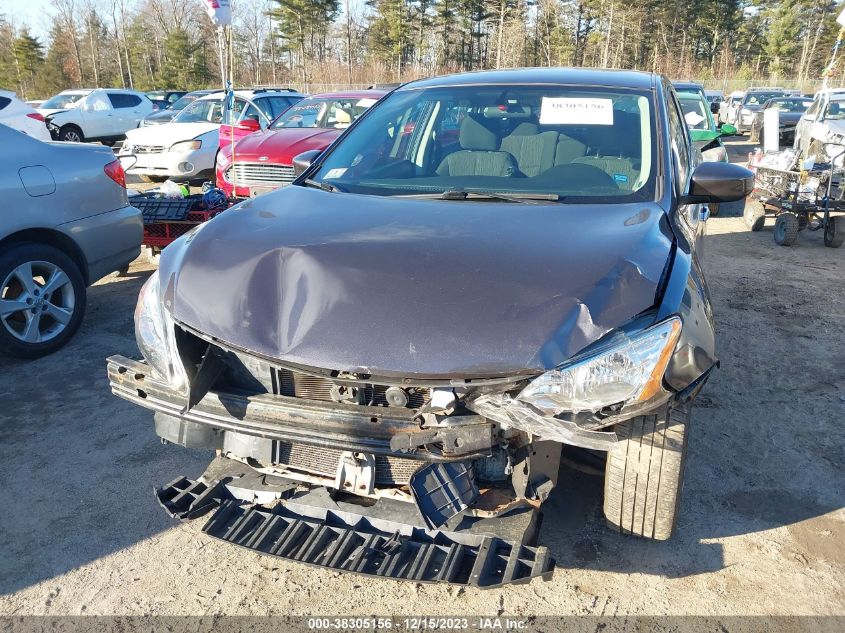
355,543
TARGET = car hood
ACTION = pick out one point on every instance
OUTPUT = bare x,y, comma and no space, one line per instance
169,133
45,112
421,288
280,146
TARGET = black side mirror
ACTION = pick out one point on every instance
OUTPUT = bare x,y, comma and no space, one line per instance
719,182
714,107
301,162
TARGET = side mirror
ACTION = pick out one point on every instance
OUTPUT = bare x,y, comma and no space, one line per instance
301,162
727,129
719,182
714,107
249,125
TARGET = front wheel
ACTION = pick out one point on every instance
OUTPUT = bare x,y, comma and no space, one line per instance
834,232
786,228
71,134
644,474
42,300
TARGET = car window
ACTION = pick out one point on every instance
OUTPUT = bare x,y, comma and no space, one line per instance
183,102
274,106
123,100
202,111
759,98
174,97
97,102
835,109
324,113
695,114
678,140
4,101
582,143
63,101
790,105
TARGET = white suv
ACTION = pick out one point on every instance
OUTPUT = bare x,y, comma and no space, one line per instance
95,115
19,116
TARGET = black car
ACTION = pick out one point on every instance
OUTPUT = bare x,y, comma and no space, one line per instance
166,116
390,353
790,111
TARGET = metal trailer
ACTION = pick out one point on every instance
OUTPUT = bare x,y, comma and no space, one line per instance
799,200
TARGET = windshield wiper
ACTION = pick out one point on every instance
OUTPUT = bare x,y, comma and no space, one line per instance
463,194
325,186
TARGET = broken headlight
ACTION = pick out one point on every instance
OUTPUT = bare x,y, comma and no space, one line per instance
155,333
629,369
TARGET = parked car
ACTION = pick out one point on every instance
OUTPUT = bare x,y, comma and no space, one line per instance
102,115
246,117
71,226
186,148
168,96
423,319
166,116
265,159
751,103
18,115
729,107
823,122
704,133
790,110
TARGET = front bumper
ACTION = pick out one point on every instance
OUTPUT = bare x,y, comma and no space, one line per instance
173,165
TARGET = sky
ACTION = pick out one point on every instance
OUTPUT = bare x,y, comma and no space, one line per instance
33,13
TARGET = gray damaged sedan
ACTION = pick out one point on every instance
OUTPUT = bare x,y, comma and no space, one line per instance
65,223
389,355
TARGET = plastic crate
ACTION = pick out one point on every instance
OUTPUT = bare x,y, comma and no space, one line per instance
155,209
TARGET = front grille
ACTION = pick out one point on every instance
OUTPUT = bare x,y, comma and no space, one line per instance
147,149
248,174
324,461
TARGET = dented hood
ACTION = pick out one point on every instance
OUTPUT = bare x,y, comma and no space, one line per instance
416,288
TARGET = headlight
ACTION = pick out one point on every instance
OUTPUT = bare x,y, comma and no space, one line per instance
185,146
628,371
156,335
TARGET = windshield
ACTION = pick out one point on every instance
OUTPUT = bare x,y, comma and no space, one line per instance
579,144
201,111
835,110
323,113
63,101
695,113
759,98
182,102
791,105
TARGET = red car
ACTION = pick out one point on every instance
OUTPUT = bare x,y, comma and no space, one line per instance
264,160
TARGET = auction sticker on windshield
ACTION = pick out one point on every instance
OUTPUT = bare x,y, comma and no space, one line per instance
576,111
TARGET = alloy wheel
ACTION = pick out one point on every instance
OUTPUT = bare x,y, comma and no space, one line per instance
37,301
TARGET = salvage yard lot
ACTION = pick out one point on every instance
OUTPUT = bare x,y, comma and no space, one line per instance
761,530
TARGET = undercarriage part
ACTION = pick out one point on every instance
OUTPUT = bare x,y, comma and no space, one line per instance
457,440
387,538
536,469
443,491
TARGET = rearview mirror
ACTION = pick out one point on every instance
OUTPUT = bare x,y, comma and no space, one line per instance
301,162
727,129
249,125
719,182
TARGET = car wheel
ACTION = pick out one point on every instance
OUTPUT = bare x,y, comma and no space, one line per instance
42,300
786,229
834,232
644,474
71,134
754,215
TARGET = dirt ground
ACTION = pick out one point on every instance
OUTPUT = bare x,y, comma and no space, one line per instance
762,529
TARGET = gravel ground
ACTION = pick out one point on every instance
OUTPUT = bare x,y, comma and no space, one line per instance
761,532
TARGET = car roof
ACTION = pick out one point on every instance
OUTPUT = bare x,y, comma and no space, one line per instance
691,96
541,76
250,94
349,94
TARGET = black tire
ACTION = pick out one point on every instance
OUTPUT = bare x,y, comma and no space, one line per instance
644,475
786,228
834,232
754,215
71,133
10,288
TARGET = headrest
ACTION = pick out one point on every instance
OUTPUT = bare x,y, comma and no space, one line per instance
475,136
525,129
342,116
